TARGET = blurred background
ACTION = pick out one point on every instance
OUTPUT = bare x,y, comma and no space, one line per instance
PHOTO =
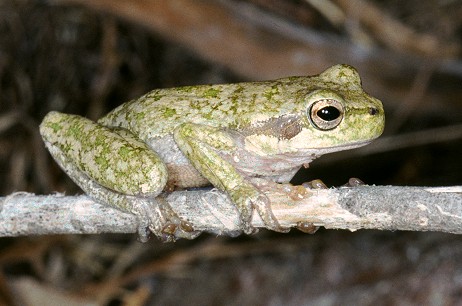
88,56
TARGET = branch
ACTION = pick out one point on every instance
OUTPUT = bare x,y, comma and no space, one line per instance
369,207
237,35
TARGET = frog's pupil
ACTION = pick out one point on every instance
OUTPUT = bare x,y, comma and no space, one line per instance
328,113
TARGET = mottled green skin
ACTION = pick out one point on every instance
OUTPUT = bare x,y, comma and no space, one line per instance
106,155
240,105
227,134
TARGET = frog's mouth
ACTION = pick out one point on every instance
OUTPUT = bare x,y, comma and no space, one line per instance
355,145
316,152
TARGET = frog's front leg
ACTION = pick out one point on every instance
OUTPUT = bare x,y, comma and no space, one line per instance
115,168
206,147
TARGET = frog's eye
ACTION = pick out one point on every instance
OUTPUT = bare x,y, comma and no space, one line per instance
326,114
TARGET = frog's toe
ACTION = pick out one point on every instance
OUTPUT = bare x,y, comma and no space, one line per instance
354,182
307,227
249,230
263,207
275,226
315,184
246,226
156,216
143,232
175,227
179,229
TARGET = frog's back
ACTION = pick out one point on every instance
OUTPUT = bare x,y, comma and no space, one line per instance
160,111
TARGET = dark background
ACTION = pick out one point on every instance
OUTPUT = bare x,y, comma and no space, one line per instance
86,57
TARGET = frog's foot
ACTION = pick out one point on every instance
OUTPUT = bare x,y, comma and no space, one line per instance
156,216
250,198
354,182
175,227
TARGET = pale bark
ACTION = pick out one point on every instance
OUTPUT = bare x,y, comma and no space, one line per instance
369,207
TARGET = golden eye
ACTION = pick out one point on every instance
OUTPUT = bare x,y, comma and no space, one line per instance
326,114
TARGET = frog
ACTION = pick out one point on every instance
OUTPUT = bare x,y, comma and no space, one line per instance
232,136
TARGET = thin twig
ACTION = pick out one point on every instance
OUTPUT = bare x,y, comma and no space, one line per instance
370,207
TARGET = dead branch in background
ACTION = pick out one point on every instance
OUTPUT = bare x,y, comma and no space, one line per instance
260,45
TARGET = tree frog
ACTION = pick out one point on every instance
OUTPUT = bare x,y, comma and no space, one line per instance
225,135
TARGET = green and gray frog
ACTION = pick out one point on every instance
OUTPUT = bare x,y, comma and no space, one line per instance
225,135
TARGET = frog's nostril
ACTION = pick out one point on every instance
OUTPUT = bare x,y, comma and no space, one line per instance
373,111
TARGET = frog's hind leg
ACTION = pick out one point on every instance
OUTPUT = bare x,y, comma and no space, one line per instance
114,168
153,215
